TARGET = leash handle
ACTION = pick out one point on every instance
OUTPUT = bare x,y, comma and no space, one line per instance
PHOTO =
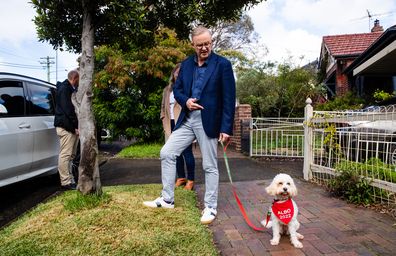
234,190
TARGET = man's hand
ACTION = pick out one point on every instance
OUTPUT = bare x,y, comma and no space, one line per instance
224,137
192,105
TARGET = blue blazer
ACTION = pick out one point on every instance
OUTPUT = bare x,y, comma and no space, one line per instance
217,98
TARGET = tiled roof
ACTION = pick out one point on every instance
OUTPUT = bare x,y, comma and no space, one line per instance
350,44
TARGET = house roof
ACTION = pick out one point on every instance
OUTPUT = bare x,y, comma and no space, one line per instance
379,58
349,44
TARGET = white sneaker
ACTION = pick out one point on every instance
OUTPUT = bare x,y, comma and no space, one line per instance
208,215
159,202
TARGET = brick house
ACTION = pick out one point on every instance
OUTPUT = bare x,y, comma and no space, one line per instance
338,52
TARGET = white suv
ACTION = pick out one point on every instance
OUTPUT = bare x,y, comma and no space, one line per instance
29,145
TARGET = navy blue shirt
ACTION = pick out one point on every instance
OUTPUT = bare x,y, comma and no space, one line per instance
198,79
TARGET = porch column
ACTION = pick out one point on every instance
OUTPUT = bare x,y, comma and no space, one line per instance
308,133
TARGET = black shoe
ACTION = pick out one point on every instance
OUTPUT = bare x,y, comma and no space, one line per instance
70,186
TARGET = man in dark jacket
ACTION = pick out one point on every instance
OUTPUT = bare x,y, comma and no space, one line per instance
205,88
66,124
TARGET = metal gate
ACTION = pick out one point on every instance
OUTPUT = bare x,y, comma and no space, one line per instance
277,137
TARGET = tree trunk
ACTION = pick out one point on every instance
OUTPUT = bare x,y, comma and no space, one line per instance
89,180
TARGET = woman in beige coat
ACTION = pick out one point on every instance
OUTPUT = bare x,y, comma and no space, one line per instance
170,111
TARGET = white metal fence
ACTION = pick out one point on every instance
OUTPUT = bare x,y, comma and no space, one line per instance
363,142
279,137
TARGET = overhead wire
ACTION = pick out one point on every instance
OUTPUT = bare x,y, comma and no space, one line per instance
18,65
8,52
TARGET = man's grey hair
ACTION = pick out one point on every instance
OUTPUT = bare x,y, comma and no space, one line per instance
200,30
72,74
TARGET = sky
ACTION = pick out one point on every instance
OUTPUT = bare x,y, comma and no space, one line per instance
295,27
287,28
19,45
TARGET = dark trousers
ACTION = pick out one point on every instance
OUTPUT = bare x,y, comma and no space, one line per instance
186,157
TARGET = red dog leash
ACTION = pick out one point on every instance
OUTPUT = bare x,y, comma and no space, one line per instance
234,190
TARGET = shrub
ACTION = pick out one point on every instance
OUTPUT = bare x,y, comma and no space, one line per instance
373,168
347,101
354,179
351,186
380,95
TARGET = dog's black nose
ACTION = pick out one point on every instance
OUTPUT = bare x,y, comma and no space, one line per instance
285,189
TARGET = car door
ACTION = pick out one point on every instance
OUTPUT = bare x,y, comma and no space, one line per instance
16,138
41,109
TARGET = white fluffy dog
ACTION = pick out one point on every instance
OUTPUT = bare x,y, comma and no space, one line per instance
283,210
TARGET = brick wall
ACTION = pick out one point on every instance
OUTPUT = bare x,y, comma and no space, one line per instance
243,113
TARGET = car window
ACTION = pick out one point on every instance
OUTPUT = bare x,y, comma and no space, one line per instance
12,99
41,100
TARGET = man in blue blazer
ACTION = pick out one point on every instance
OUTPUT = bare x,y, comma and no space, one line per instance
205,89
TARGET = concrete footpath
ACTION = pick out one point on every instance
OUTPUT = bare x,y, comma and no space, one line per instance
330,226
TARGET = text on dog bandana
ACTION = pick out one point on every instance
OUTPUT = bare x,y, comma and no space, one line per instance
284,211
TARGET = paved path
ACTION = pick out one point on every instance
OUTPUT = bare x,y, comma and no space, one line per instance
330,226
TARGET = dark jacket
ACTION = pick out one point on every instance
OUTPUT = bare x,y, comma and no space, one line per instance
65,116
217,98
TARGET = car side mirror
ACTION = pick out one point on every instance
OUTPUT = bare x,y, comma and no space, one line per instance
3,109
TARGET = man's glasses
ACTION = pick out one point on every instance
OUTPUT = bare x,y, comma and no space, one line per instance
206,45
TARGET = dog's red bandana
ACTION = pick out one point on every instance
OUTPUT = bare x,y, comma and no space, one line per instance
284,211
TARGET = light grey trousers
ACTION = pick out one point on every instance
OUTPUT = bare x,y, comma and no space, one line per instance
179,140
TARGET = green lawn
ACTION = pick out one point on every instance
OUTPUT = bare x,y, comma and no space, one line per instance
116,224
141,151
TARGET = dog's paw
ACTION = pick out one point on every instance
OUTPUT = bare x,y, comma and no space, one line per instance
274,241
264,222
297,244
299,236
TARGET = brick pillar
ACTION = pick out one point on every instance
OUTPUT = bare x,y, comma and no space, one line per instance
243,113
342,86
342,83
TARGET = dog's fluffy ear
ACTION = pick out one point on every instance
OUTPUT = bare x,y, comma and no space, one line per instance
293,189
271,189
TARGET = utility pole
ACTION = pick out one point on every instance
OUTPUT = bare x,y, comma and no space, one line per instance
48,61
